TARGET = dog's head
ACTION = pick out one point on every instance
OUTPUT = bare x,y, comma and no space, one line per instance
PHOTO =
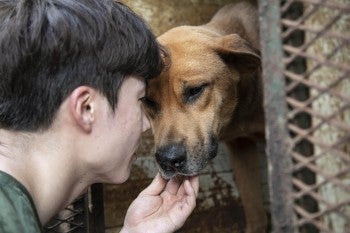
195,96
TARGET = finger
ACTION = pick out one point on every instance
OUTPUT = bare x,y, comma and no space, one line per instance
156,187
194,180
173,185
184,207
181,192
190,195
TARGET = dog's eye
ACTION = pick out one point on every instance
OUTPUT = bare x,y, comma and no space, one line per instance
192,93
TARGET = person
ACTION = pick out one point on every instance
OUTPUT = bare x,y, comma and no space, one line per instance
72,80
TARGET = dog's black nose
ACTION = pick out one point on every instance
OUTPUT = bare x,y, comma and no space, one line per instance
171,157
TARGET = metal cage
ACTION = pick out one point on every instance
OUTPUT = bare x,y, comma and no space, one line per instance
85,215
306,70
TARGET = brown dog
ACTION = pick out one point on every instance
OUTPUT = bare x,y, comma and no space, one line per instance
211,91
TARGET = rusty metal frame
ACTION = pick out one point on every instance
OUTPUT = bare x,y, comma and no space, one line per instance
279,162
292,45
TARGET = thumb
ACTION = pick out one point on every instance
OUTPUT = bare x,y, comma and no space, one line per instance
156,187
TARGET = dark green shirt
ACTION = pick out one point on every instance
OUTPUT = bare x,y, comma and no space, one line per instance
17,210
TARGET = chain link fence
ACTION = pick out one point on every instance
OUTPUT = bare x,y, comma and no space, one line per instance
84,215
307,100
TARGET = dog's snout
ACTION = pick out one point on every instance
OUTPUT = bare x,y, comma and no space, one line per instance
172,156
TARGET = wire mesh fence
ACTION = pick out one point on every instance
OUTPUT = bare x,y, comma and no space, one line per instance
71,219
84,215
313,41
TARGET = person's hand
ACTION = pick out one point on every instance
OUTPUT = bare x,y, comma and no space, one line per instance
163,206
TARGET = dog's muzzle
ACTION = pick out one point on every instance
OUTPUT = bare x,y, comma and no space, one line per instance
172,157
176,159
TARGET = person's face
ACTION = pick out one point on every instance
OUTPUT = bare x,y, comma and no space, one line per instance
122,131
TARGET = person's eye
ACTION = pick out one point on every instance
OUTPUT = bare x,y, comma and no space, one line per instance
150,104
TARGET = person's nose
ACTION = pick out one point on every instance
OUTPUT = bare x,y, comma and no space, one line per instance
146,124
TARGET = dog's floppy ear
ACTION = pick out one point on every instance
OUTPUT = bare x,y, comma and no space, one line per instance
236,51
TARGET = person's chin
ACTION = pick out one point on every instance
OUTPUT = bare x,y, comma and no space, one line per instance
127,172
122,177
119,176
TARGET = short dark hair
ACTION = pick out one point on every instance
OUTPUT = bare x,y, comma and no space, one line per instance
50,47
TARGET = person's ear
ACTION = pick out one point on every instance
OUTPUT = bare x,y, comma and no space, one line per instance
82,107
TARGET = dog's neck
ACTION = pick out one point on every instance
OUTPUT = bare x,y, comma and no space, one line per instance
248,116
249,97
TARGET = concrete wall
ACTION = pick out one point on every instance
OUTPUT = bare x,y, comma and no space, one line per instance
165,14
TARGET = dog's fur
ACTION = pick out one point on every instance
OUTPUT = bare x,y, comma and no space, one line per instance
211,91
